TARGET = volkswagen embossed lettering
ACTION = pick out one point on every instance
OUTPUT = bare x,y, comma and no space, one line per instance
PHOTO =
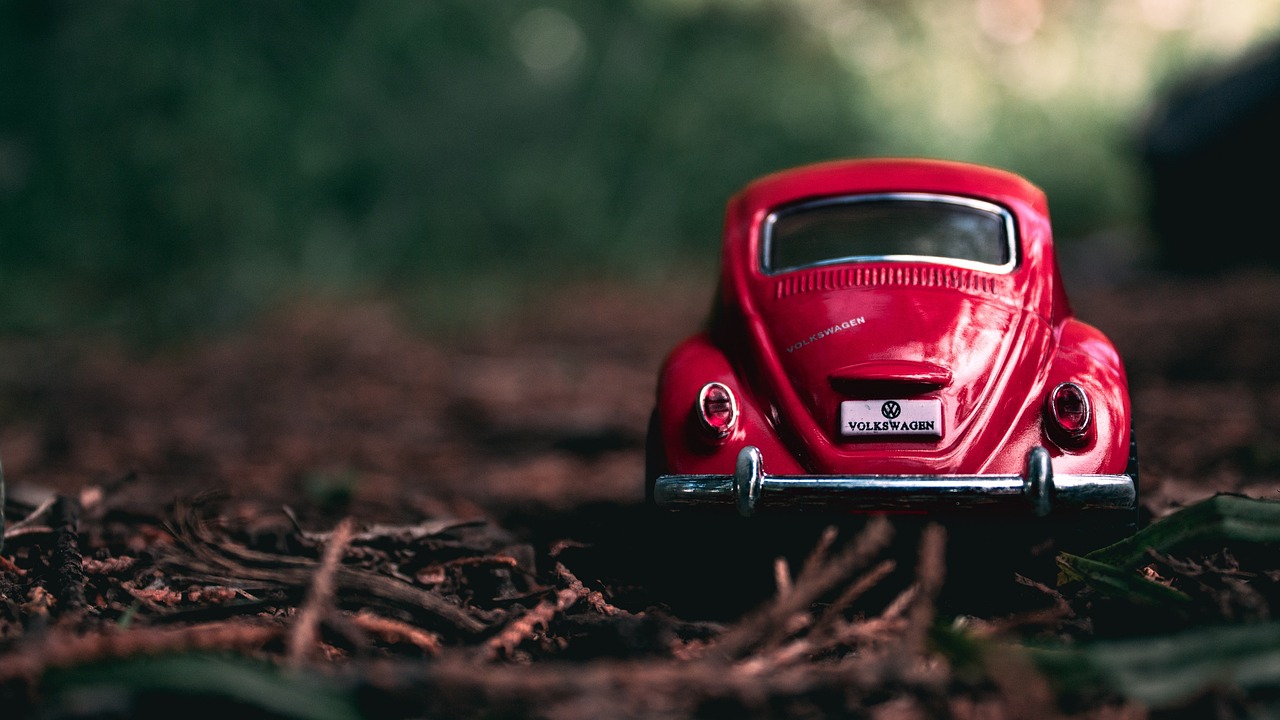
892,335
891,417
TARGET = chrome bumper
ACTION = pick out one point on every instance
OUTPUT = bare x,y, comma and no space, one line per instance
1036,492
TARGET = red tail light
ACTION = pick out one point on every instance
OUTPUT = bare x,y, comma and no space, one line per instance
717,409
1069,410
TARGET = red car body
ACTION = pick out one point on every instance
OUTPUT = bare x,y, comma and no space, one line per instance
892,335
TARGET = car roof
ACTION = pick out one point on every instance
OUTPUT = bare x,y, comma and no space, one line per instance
873,175
1037,268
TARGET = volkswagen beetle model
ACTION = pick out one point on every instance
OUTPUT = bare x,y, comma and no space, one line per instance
893,335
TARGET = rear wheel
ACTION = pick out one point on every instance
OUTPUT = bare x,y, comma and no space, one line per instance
654,457
1104,528
1132,471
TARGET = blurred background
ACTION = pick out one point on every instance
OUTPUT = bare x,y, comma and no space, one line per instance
169,167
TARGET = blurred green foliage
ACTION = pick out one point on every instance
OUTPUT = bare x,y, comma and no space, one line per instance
165,166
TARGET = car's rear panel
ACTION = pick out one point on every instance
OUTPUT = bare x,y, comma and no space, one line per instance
895,367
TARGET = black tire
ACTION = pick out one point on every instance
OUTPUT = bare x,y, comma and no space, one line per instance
1132,471
654,458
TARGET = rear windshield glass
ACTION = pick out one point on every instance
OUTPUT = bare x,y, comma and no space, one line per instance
951,230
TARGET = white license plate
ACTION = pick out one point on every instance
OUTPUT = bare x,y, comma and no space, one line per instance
859,418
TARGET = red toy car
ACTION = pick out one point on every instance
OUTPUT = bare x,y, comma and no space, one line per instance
892,335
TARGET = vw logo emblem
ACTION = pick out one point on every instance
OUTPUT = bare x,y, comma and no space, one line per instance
891,409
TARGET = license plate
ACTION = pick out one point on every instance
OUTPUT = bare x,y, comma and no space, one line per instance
859,418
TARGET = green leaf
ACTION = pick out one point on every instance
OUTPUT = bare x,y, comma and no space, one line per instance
1219,520
1166,671
204,679
1119,583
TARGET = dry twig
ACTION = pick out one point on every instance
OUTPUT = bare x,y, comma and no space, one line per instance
306,628
31,517
776,620
108,566
782,576
889,623
225,563
394,630
929,576
594,597
857,589
1047,617
65,649
505,642
829,632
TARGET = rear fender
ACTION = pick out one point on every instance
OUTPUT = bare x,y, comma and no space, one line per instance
686,447
1086,357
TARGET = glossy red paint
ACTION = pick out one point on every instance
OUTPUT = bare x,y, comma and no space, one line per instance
988,344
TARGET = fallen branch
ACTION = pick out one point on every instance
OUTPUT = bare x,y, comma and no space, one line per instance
67,559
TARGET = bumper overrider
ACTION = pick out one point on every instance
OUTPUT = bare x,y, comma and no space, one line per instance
1037,492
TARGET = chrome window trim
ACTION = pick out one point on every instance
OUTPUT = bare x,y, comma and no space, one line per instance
1010,228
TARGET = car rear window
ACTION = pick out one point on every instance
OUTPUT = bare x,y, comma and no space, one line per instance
863,228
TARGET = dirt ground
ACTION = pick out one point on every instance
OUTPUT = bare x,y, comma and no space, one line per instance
548,407
501,469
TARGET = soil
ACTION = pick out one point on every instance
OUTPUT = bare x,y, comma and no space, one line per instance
486,491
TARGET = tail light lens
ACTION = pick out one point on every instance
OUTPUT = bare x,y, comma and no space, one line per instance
1069,410
717,409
